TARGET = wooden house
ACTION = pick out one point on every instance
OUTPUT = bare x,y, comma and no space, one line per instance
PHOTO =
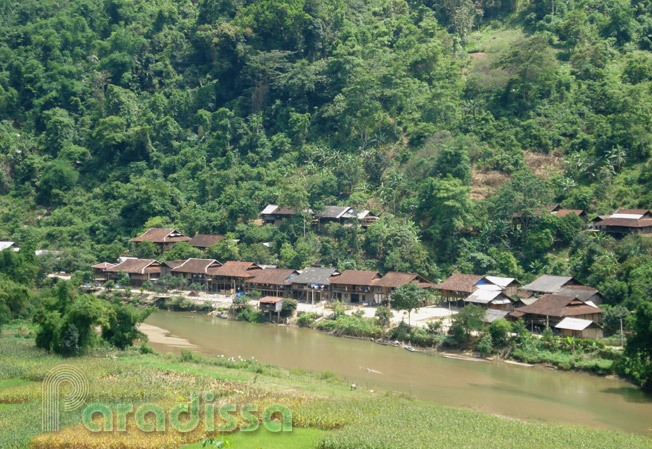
9,245
353,286
99,271
204,241
271,304
491,298
312,284
230,278
271,282
458,286
138,270
626,221
509,286
273,214
547,284
386,285
197,271
579,328
164,239
551,309
362,217
331,214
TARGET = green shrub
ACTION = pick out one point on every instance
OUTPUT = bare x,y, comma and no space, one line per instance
306,319
251,315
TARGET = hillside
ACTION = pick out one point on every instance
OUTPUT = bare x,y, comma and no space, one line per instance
445,118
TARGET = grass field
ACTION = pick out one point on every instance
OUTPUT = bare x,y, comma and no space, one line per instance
298,438
326,414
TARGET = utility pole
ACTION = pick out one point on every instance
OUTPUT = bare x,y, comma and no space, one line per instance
622,337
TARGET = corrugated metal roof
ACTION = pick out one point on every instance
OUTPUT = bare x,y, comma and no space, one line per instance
269,209
547,283
332,212
482,296
6,245
314,275
492,315
574,324
499,281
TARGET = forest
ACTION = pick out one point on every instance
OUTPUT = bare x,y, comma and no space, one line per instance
444,118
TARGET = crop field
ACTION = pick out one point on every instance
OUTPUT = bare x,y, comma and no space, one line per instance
325,413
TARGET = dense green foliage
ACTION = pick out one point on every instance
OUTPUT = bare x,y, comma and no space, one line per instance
66,321
117,115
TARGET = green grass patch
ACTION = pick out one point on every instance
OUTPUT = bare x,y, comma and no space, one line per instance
298,438
12,382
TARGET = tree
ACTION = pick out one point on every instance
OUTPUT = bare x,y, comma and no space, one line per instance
183,251
383,316
408,297
467,321
121,328
226,249
638,363
444,206
499,331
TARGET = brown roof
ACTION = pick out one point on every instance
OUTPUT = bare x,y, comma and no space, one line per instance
103,266
204,240
625,222
173,263
270,300
271,276
563,212
355,277
394,279
461,283
235,269
558,306
196,266
136,266
633,211
159,235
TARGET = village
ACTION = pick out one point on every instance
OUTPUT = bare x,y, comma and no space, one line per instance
560,303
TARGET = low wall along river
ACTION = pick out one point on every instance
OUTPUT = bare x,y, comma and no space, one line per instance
494,387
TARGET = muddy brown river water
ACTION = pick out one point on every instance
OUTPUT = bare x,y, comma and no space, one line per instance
531,393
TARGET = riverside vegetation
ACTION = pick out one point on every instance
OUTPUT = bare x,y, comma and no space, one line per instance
326,414
444,118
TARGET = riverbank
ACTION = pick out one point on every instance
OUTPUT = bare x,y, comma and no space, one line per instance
341,418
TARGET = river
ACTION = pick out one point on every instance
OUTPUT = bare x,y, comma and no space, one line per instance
531,393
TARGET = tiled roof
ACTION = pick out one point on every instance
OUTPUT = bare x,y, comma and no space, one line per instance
103,266
558,306
205,240
563,212
461,283
270,300
235,269
395,279
159,235
135,266
271,276
200,266
355,277
625,222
